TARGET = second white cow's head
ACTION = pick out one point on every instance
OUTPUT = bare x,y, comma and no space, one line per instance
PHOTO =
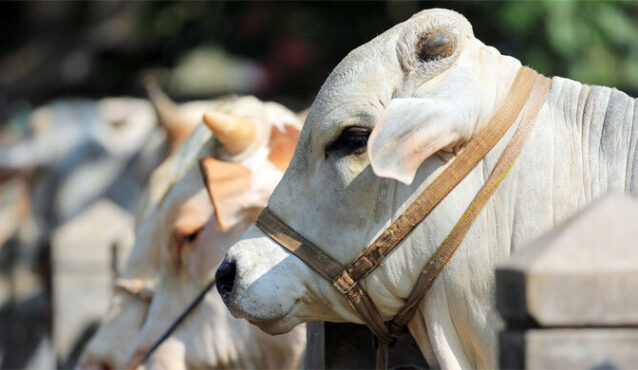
386,121
257,139
256,153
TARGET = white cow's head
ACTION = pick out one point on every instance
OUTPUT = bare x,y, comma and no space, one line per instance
202,232
168,266
135,288
387,119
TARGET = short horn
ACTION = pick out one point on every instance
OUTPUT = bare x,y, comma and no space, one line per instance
235,133
172,120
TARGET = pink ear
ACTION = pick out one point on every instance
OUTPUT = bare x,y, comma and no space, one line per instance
410,131
226,183
282,146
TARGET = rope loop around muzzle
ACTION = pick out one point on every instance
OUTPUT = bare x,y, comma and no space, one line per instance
527,95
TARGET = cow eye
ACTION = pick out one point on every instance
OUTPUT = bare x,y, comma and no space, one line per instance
187,238
353,140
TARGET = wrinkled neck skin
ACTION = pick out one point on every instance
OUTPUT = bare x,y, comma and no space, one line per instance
582,146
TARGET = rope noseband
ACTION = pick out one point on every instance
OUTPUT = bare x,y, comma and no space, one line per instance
526,95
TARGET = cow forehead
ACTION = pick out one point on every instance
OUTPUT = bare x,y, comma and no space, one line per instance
370,75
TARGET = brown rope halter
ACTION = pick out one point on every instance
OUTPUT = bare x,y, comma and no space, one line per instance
527,94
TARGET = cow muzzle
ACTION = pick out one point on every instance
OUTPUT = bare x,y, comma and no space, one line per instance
255,283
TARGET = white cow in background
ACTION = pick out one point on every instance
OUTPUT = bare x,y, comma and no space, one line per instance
169,264
81,150
76,154
387,121
73,154
85,149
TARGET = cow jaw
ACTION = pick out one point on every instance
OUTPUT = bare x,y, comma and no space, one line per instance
237,189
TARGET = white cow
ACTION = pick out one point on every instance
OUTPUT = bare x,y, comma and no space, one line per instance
79,153
169,265
387,121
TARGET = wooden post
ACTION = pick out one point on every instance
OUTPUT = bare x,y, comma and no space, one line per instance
315,349
352,346
82,275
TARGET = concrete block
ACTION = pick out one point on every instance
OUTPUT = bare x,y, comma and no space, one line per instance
15,207
583,272
582,348
82,272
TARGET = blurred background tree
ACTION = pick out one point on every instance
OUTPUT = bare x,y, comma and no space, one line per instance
280,50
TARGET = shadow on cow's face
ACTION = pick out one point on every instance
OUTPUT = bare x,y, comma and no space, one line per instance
384,123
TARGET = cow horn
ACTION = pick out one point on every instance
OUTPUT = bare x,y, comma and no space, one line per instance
235,133
176,125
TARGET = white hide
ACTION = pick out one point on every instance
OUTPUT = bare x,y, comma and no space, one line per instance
134,321
583,145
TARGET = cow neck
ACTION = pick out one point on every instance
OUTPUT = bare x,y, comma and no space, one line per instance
178,321
528,90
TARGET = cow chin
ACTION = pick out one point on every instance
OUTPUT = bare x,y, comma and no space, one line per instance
267,319
269,314
276,327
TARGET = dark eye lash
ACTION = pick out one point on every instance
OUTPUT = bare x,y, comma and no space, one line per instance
190,237
353,140
358,140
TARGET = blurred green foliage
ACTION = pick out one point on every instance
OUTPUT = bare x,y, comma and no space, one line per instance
104,47
595,42
590,41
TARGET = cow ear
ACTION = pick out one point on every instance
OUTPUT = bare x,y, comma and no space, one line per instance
282,146
227,184
410,131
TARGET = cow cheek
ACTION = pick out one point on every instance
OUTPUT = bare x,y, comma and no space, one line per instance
268,281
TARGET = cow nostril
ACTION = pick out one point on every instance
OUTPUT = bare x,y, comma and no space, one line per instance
225,278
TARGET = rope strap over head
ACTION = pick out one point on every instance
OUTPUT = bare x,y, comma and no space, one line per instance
528,90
